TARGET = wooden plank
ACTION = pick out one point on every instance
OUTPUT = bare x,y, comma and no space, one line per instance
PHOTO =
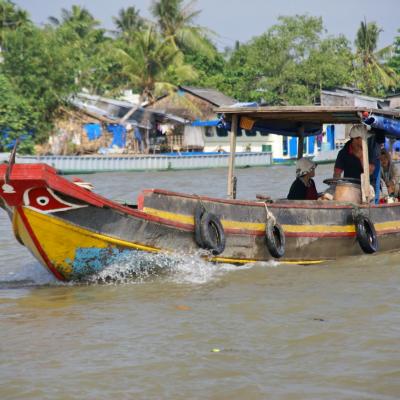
308,113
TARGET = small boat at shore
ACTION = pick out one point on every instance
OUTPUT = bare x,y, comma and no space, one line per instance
75,232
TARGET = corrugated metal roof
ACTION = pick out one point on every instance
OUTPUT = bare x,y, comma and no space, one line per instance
115,110
213,96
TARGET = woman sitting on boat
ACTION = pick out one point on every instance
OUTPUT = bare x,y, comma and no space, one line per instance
303,188
389,174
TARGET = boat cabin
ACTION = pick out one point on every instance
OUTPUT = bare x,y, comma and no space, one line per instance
304,122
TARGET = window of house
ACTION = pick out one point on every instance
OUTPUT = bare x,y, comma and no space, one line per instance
222,132
250,133
284,145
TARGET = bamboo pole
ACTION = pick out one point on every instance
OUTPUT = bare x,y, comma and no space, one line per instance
365,179
231,165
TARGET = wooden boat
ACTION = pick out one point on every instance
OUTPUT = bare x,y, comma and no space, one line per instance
75,232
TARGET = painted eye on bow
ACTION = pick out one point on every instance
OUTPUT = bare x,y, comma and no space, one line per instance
42,201
46,201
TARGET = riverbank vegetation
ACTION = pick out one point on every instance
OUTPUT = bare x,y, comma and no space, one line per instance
41,67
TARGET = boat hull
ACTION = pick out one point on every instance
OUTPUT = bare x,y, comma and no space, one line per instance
75,232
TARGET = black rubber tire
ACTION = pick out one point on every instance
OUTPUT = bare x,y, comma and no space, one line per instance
366,234
275,238
212,233
198,213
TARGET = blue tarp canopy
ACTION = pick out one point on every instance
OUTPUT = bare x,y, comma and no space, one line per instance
390,126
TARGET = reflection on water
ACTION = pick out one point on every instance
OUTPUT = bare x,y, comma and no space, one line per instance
174,326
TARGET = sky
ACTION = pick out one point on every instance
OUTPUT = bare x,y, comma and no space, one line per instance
241,20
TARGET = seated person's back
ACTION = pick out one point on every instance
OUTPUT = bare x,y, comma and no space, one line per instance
303,188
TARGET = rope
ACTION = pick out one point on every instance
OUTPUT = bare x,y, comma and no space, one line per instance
270,216
200,201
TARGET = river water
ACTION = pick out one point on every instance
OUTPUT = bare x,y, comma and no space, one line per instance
194,330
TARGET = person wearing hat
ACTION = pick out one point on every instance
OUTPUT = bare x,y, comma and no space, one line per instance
390,174
303,188
349,161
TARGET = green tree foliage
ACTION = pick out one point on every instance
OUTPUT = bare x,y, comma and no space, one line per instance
152,64
372,76
208,68
288,64
17,118
80,31
42,69
11,18
394,62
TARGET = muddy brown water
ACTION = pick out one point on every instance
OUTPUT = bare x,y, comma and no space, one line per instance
192,330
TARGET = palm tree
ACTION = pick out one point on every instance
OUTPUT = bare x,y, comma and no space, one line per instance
128,22
176,20
395,56
376,75
152,63
78,18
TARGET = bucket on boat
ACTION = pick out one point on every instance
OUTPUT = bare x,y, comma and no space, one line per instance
347,191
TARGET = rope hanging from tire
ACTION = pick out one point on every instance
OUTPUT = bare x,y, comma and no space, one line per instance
365,233
274,236
208,231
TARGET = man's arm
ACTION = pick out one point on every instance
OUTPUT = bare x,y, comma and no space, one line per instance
337,172
339,165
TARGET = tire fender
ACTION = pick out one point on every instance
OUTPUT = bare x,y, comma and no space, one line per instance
366,234
275,239
212,233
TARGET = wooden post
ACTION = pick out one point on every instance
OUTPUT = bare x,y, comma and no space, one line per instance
300,144
231,165
365,185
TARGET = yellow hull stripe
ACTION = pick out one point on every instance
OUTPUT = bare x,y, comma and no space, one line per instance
252,226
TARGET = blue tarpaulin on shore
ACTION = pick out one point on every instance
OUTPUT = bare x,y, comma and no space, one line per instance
93,131
213,122
119,135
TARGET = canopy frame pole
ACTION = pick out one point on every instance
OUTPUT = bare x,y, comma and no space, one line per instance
232,154
300,144
365,185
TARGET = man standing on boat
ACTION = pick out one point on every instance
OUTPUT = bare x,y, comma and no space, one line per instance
303,188
349,161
